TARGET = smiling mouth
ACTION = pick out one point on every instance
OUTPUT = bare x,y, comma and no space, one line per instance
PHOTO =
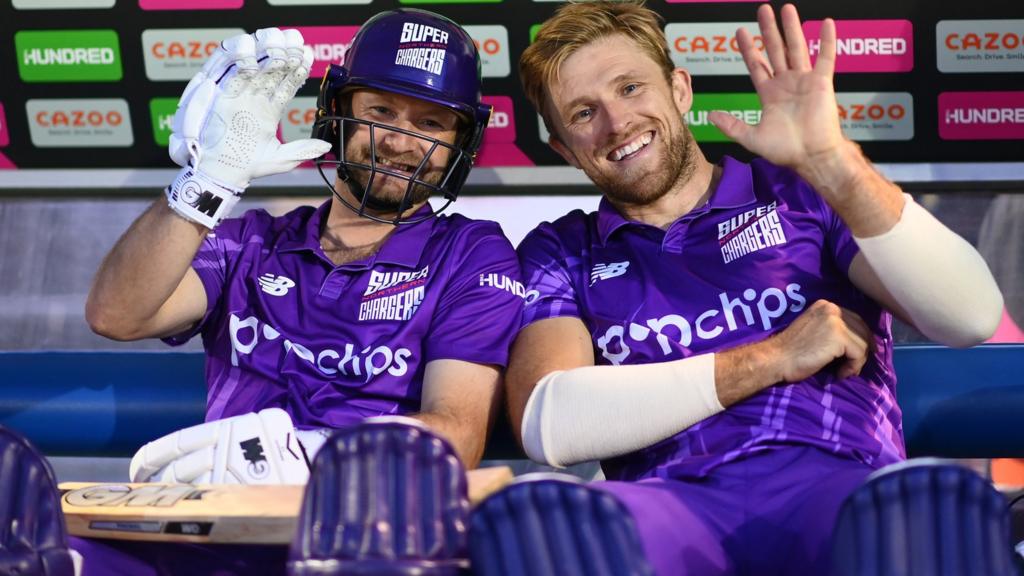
632,147
406,169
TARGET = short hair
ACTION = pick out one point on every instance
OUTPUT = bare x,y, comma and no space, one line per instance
576,25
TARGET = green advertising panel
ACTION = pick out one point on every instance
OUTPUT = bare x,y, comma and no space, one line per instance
68,55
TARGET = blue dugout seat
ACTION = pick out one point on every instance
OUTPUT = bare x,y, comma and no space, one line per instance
956,403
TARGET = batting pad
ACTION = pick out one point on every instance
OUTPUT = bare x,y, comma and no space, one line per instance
923,517
387,497
554,525
33,539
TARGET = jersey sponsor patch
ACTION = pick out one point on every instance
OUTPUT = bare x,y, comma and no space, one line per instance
753,230
393,295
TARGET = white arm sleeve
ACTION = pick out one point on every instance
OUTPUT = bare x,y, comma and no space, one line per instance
937,277
597,412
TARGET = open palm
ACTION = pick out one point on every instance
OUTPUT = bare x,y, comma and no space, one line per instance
799,113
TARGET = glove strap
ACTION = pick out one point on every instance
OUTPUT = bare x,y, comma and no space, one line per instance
198,198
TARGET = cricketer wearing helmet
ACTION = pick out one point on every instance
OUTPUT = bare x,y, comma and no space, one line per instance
367,305
724,343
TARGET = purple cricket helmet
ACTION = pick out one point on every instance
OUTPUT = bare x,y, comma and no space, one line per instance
417,54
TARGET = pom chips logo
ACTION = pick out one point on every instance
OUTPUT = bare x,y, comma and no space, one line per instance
709,49
867,45
68,55
981,115
492,44
964,46
329,44
177,54
79,123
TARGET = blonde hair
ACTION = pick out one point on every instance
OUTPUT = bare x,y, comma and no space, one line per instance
574,26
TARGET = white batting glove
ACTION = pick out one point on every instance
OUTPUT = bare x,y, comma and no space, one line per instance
254,448
225,129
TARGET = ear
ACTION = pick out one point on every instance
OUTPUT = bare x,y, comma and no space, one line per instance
682,90
563,151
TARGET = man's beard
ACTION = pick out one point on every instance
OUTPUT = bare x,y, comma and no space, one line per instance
389,199
677,166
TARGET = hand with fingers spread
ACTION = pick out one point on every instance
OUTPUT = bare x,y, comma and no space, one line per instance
799,118
823,334
225,128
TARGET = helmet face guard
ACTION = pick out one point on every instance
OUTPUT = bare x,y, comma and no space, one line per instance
417,54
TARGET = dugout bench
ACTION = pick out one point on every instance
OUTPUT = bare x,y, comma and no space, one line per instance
956,403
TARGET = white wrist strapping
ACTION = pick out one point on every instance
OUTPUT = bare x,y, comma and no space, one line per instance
198,198
598,412
937,277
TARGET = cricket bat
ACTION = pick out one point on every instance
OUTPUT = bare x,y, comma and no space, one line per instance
208,513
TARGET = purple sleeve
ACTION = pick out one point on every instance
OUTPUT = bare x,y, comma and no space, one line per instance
478,315
838,238
211,264
550,292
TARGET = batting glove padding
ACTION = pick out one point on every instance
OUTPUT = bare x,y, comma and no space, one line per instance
255,448
225,129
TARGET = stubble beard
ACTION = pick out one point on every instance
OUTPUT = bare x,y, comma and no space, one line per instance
677,160
389,199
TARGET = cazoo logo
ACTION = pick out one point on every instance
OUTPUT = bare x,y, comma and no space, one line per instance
492,44
87,123
749,309
177,54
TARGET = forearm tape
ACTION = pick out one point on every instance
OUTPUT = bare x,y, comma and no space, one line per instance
941,282
598,412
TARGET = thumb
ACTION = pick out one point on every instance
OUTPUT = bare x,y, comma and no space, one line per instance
290,155
736,129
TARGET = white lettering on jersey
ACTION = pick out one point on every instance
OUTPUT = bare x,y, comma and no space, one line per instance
503,282
400,306
605,271
369,362
672,329
750,231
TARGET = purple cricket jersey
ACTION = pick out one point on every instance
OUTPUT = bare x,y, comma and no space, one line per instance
743,266
332,345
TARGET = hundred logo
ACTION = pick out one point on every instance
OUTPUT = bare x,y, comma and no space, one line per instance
68,55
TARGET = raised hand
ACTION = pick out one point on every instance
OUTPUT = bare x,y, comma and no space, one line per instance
799,119
225,129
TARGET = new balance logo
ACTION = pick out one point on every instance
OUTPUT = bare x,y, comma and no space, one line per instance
606,271
276,285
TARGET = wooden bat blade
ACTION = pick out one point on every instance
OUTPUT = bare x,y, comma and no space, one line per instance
206,513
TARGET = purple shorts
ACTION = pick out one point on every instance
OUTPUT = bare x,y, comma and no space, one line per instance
770,513
101,557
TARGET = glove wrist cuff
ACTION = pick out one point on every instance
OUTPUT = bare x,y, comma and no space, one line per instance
198,198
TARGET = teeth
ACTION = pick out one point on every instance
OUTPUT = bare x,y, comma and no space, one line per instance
400,167
632,147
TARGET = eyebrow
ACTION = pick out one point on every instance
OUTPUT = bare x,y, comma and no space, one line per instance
617,80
